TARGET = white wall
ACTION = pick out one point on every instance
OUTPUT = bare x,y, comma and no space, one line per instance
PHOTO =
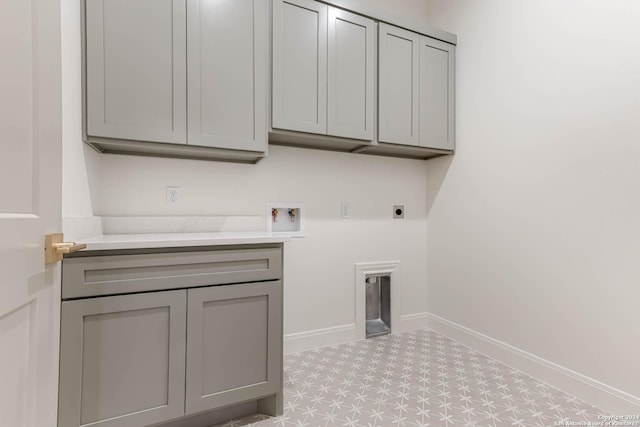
319,269
534,226
81,164
404,13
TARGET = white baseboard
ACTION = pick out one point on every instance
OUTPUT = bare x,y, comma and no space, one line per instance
411,322
302,341
607,398
310,340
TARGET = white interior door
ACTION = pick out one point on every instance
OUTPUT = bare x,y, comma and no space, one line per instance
30,172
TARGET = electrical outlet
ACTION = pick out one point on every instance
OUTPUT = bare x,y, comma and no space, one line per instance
346,211
173,195
398,211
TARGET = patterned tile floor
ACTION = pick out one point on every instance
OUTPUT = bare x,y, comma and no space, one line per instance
417,378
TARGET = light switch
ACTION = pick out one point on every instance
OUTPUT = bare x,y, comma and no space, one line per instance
346,211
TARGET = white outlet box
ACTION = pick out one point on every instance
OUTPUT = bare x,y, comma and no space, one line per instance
173,196
286,218
346,211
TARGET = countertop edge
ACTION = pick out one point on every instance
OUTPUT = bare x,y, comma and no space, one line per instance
177,240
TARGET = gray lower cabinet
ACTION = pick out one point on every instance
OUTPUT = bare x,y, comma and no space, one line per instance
234,344
122,360
143,356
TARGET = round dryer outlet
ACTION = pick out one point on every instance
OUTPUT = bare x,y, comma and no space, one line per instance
398,211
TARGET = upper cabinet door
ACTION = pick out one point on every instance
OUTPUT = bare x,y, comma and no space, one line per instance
437,94
300,66
399,64
227,73
351,50
136,76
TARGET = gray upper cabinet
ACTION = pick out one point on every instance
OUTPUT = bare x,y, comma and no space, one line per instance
122,360
300,66
351,80
366,65
191,79
437,94
398,102
135,65
177,78
323,71
234,344
417,91
227,73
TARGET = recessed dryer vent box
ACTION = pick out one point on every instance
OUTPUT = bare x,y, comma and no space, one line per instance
286,219
378,304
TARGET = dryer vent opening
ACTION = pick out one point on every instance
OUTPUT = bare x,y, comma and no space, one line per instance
378,304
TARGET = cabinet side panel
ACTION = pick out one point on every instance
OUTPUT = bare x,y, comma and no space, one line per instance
136,69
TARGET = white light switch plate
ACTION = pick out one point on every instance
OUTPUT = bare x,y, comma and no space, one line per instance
346,211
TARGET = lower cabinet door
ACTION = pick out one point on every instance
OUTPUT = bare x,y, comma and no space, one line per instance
234,344
122,360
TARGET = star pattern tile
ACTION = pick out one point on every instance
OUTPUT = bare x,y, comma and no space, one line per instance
418,379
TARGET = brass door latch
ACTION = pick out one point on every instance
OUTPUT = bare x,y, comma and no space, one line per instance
55,248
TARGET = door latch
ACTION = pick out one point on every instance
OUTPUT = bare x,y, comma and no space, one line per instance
55,248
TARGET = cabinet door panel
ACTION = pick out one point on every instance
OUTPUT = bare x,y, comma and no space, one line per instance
398,85
122,360
234,344
136,74
350,75
300,66
227,73
437,110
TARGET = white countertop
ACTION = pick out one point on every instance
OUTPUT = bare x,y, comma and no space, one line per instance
176,240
